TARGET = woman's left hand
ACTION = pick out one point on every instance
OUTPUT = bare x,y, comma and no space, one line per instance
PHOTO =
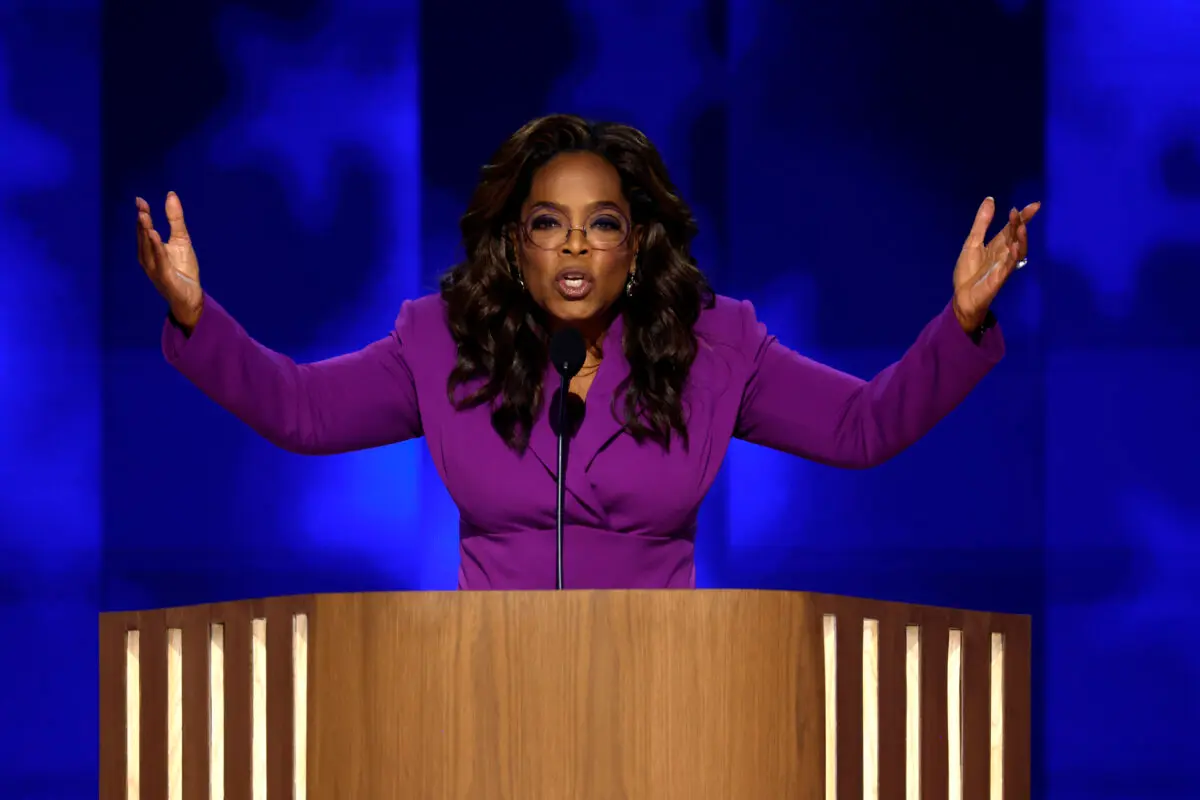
983,269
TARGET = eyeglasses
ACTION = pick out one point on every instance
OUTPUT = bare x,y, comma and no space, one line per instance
551,230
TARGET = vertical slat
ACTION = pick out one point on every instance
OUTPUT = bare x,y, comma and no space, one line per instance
153,756
258,659
977,656
870,705
194,622
830,647
279,702
912,712
174,711
891,706
996,709
133,713
300,706
849,706
112,707
1017,713
236,619
216,710
954,713
935,766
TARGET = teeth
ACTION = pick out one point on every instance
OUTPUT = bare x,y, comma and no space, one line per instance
574,283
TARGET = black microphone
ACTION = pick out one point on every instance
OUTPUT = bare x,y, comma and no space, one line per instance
567,353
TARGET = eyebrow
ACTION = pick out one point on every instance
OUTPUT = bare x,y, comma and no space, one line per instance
591,207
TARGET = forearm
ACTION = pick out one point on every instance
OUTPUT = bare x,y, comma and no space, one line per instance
809,409
905,401
347,403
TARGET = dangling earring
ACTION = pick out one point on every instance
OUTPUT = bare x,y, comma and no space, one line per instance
630,283
520,278
631,280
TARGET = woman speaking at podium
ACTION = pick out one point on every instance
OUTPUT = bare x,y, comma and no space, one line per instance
577,227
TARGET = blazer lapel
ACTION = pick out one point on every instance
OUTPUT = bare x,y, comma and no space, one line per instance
543,441
601,424
598,428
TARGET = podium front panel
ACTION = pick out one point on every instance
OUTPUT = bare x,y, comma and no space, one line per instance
633,694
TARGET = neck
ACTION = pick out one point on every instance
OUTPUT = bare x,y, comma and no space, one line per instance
594,333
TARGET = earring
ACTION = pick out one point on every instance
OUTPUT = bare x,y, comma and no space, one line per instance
630,282
520,279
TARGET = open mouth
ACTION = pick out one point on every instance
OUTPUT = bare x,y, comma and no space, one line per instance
574,284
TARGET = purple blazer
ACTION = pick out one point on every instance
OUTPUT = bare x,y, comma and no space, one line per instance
630,515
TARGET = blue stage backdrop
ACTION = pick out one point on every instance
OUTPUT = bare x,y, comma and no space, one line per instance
1122,391
50,385
835,155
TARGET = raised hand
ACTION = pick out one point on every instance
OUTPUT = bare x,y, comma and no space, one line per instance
983,268
171,266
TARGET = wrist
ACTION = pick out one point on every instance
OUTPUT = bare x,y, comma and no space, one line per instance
971,323
185,317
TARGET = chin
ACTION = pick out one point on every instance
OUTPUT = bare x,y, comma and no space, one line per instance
574,311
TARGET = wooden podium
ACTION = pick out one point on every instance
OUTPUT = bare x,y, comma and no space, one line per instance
574,695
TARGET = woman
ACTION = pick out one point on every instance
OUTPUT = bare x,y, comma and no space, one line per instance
578,225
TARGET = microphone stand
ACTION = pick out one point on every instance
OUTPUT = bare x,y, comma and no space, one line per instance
568,354
564,387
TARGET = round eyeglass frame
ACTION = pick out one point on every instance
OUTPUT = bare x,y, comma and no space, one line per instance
527,232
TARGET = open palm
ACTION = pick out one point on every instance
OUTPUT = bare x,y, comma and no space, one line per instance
171,266
983,268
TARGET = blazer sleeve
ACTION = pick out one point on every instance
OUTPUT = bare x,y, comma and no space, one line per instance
351,402
794,404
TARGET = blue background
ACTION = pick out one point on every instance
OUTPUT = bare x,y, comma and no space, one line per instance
835,154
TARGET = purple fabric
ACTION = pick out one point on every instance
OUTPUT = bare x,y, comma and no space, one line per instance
631,509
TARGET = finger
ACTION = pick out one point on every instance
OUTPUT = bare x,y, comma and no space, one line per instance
145,251
996,272
1009,232
162,261
175,217
983,218
1014,232
1004,269
1013,228
166,272
1022,237
1003,238
142,205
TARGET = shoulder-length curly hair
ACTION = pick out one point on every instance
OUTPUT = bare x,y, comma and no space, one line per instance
500,331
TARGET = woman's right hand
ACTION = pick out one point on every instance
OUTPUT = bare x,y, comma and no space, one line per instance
172,266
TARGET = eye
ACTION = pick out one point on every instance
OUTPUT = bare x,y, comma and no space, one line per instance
544,222
607,223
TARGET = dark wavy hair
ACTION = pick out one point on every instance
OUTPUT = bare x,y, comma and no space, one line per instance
501,333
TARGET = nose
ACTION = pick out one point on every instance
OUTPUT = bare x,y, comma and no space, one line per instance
576,243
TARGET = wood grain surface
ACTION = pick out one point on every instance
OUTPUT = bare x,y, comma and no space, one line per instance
584,695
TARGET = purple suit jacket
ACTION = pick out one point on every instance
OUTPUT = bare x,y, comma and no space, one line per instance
630,516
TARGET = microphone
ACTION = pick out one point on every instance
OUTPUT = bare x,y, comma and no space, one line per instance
567,353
